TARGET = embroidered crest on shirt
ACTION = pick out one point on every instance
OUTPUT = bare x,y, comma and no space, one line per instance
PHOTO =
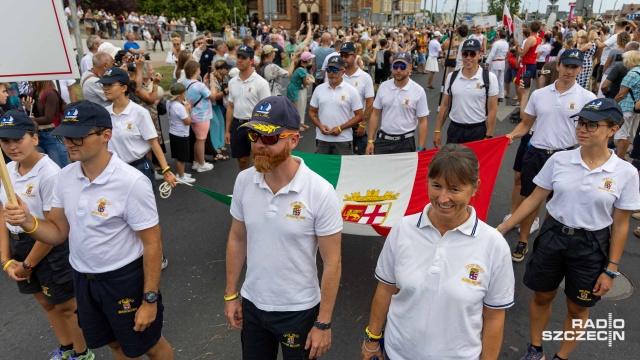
343,97
474,273
28,192
607,185
102,208
291,340
356,84
296,210
249,89
126,306
572,106
406,102
478,85
129,126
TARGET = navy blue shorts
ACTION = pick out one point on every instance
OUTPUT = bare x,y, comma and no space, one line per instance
532,163
524,145
240,144
530,72
464,133
107,309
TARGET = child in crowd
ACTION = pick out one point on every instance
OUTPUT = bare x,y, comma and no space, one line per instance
179,121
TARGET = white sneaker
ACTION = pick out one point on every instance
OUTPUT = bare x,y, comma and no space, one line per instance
188,180
187,175
534,227
195,165
205,167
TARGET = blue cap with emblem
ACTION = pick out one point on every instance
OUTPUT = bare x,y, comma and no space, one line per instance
14,124
115,74
404,57
471,45
572,57
80,118
600,109
273,115
348,47
335,62
246,51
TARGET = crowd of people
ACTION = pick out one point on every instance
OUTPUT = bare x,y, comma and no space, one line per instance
248,96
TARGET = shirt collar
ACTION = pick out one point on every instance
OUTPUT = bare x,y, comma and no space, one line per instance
608,166
35,170
355,74
405,88
104,176
126,110
469,227
296,184
571,90
250,78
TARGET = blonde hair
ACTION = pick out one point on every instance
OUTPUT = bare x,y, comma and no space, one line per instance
631,59
569,43
581,35
359,49
593,35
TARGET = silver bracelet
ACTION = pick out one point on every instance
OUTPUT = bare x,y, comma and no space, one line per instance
370,351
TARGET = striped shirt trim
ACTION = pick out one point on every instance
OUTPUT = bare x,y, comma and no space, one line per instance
384,281
499,306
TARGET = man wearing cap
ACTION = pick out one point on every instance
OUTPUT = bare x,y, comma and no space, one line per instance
278,236
496,61
552,108
91,88
245,91
107,210
363,83
584,235
337,45
432,62
399,107
335,108
470,105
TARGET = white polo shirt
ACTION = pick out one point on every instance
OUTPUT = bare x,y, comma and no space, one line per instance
469,104
105,214
92,90
434,47
401,107
35,188
363,83
132,129
445,282
584,198
282,231
335,108
86,63
555,128
246,94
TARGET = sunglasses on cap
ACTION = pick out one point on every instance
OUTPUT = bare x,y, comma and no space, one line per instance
468,54
346,55
333,70
266,139
397,66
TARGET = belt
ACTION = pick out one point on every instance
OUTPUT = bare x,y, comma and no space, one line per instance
111,274
240,120
135,163
497,60
383,135
551,152
469,126
561,228
47,129
19,236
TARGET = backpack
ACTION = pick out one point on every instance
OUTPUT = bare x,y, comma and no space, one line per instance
485,79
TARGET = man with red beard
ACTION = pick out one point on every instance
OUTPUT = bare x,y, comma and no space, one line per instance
282,214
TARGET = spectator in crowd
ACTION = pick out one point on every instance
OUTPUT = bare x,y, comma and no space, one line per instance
627,97
280,54
91,89
131,46
199,96
93,43
497,61
271,72
432,61
178,110
297,87
174,53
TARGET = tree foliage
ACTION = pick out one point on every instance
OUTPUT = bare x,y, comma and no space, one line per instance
496,7
115,6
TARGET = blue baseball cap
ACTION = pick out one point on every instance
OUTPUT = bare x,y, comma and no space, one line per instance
572,57
600,109
348,47
471,45
115,74
404,57
14,124
335,62
80,118
246,51
273,115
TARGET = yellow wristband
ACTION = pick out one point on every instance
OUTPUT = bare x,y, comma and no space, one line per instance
437,131
371,141
6,265
339,128
34,228
231,297
166,169
371,336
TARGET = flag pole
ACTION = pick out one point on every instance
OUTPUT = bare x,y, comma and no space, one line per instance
444,78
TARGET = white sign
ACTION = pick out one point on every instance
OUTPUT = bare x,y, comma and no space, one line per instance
37,45
485,21
517,29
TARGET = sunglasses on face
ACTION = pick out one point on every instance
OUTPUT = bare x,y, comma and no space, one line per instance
397,66
345,55
468,54
266,139
333,70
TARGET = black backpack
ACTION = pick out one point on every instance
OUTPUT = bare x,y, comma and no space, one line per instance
485,79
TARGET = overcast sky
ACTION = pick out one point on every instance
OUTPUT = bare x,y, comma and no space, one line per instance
475,5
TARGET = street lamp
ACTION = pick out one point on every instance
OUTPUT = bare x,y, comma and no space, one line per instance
345,17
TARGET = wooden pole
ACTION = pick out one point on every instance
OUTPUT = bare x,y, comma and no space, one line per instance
6,182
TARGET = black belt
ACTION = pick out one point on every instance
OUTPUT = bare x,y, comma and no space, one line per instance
551,152
383,135
19,236
561,228
240,120
469,126
111,274
47,129
135,163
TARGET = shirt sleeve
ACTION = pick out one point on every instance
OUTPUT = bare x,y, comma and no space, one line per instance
531,105
328,219
47,184
544,179
385,269
146,127
179,110
446,83
629,80
56,198
501,288
493,84
356,103
422,108
140,209
236,200
377,102
203,90
368,88
314,99
629,196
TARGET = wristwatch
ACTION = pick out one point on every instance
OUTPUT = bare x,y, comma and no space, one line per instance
150,297
27,267
611,274
322,326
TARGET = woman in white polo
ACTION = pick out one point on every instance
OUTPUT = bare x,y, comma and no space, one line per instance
445,277
583,238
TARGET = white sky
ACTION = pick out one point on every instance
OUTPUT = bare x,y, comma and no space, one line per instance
474,6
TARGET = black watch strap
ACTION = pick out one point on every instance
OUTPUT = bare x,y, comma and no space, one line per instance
322,326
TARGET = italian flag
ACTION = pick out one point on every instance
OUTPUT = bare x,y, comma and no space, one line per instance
377,191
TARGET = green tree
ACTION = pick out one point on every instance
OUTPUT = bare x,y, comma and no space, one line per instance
496,7
209,14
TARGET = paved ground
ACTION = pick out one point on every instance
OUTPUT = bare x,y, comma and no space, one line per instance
195,231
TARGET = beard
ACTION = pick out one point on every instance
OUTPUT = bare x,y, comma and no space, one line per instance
400,77
271,162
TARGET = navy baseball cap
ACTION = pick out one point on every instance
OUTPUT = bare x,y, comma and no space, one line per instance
572,57
471,45
348,47
14,124
115,74
273,115
404,57
336,62
246,51
80,118
600,109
